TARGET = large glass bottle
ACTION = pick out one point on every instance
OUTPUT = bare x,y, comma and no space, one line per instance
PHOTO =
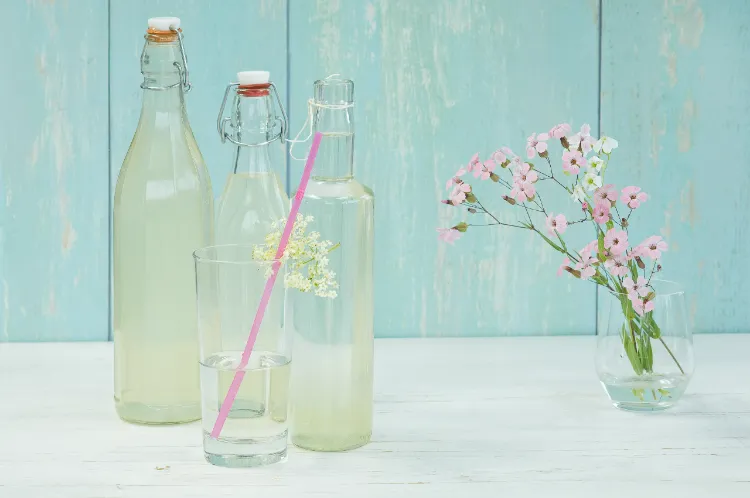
253,196
163,211
332,369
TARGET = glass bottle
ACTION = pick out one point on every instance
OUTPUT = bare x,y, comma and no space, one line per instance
253,196
163,211
332,372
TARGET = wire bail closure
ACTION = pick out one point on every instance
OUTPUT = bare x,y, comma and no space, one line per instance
182,69
184,72
222,121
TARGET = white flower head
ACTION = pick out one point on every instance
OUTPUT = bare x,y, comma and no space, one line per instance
305,257
578,194
595,164
605,144
592,181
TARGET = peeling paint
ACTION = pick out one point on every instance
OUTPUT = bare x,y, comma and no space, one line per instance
687,198
665,50
372,24
685,124
687,17
69,237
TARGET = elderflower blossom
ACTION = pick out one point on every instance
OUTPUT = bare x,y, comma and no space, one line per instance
305,256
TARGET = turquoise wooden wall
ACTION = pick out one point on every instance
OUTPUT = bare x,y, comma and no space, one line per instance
436,81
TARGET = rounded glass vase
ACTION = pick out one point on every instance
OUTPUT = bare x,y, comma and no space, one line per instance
644,353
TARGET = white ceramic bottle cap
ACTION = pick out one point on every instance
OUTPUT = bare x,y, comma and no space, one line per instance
253,77
164,23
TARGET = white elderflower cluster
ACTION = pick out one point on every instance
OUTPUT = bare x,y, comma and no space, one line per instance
305,257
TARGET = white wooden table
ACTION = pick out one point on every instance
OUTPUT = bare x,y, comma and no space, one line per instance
521,417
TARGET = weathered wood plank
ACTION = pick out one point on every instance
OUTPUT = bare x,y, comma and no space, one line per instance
436,82
54,268
677,96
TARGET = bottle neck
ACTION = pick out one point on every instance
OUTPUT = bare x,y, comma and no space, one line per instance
335,160
253,124
162,88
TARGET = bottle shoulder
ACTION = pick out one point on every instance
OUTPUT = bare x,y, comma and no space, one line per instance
349,189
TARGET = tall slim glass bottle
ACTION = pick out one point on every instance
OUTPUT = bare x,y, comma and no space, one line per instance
163,211
332,371
253,197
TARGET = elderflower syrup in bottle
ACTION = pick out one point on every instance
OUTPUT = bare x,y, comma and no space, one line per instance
163,211
331,404
253,198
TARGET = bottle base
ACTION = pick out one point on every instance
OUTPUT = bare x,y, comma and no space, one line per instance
330,444
142,414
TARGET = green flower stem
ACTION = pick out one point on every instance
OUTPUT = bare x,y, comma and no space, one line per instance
670,354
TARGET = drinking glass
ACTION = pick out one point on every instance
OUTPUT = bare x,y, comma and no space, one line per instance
229,289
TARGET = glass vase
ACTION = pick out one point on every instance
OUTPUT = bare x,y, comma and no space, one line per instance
644,362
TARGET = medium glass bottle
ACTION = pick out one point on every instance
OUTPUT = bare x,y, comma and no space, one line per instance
332,371
253,196
163,211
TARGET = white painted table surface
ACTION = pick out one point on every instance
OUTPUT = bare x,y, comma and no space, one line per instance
460,418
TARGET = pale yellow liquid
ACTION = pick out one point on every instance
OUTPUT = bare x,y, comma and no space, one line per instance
332,376
162,213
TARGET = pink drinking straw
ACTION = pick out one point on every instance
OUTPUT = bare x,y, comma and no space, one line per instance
240,374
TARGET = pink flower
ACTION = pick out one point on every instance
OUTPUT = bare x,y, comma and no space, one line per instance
484,170
635,289
461,172
523,191
652,247
617,266
582,139
573,161
641,306
536,144
616,241
499,156
458,195
559,131
601,212
524,173
449,235
516,162
566,262
606,193
633,197
591,247
558,223
586,265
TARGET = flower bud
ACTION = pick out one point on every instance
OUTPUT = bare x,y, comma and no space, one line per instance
509,200
640,262
575,273
461,227
625,223
494,177
472,210
446,202
544,154
564,142
505,163
471,197
650,296
658,267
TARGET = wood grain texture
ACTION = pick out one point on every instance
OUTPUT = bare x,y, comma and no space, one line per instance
525,417
677,97
436,82
54,265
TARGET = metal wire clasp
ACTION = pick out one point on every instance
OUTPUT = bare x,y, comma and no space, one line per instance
222,121
183,70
